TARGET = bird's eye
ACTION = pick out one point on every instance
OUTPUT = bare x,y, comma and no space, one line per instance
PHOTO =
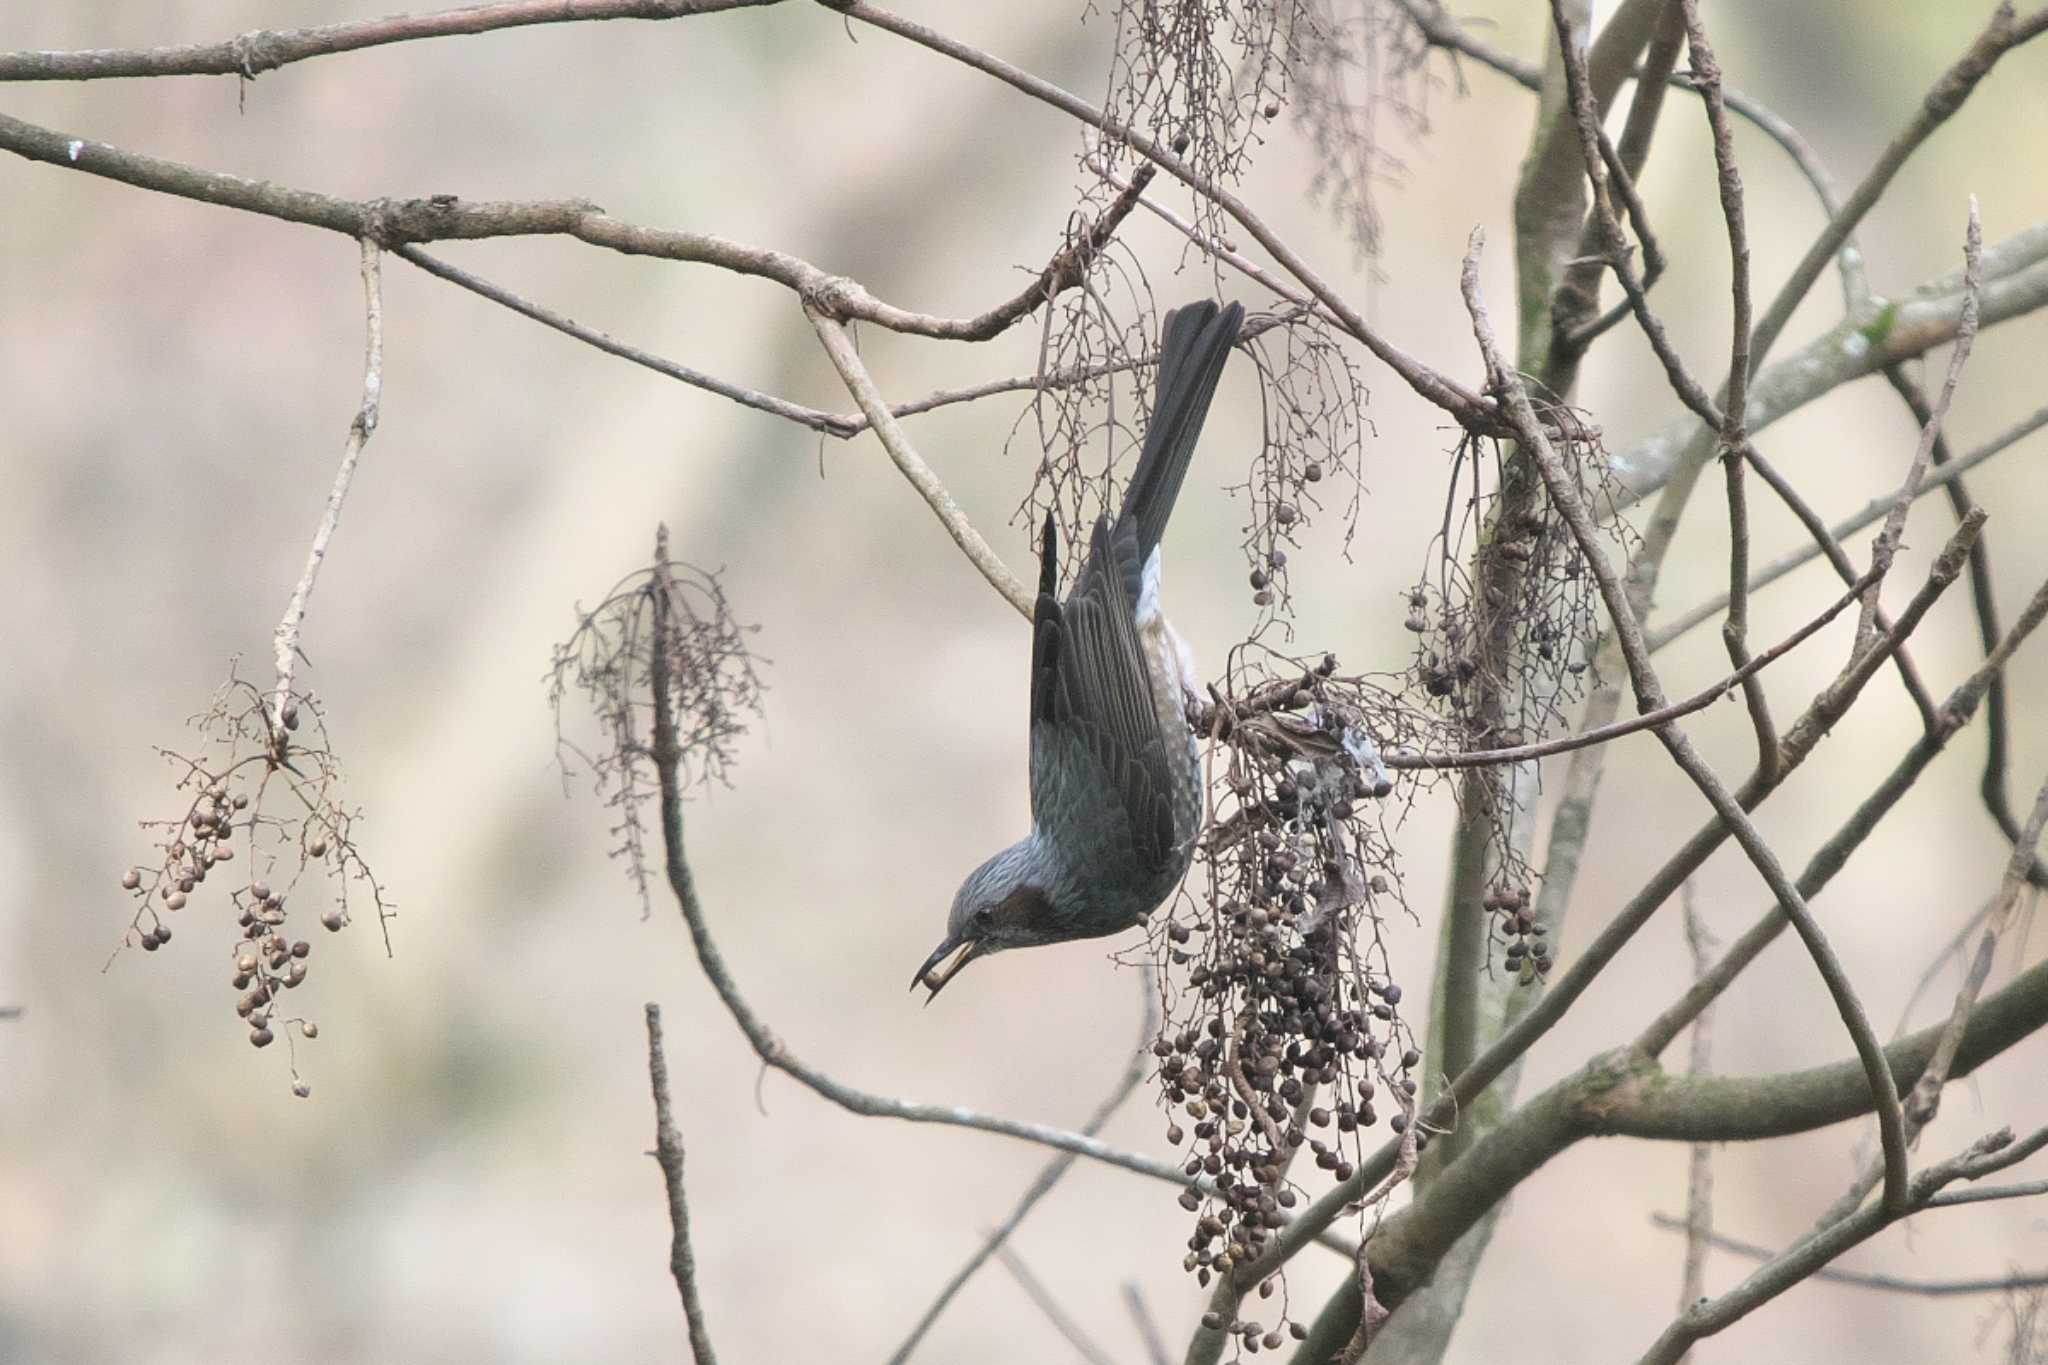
985,916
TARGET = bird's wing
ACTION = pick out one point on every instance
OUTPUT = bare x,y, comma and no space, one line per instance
1091,695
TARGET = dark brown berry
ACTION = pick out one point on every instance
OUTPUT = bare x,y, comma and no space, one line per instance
261,1037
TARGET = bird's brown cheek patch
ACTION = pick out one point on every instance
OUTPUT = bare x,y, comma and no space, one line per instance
1025,906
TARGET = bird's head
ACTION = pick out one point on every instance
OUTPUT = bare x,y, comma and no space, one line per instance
1000,905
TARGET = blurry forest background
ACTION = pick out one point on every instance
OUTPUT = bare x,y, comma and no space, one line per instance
468,1179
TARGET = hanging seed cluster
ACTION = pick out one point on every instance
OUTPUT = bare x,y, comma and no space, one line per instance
679,613
1311,436
261,805
1505,615
1284,1032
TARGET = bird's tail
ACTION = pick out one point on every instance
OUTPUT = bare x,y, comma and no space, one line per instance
1197,341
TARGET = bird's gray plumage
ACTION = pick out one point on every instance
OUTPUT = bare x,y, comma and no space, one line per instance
1116,799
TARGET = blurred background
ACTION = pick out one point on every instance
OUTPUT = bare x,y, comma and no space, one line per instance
468,1179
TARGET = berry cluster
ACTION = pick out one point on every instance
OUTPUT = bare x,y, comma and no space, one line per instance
258,791
1284,1034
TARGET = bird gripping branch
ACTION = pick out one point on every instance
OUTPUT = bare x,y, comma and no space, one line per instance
1116,779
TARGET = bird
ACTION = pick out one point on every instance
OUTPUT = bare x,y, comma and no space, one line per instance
1116,779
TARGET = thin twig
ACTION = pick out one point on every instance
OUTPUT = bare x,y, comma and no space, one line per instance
668,1151
1799,1262
1891,1284
1923,1100
1922,1104
1148,1027
1035,1290
251,54
1706,70
1950,91
1844,567
1649,694
1993,788
1699,1185
1148,1326
1942,477
2028,1189
1887,543
862,386
284,642
1954,714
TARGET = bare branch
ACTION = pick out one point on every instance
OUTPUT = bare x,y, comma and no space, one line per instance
668,1151
393,223
1148,1327
1799,1262
1650,695
1148,1027
1953,714
2000,35
1035,1290
1699,1189
1887,542
1943,477
284,644
858,382
829,423
251,54
1891,1284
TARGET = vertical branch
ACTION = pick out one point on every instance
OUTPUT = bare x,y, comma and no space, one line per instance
1628,634
668,1151
1926,1096
1734,411
284,641
1699,1188
1887,543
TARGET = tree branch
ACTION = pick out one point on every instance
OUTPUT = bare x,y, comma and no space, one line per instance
668,1151
393,223
251,54
1467,408
1891,1284
1953,715
1944,476
858,382
1148,1028
1801,1261
1650,695
284,643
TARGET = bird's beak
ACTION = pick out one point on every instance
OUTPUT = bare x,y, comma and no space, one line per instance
930,975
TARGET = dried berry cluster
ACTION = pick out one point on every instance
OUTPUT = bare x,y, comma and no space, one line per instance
667,624
1284,1031
259,789
1312,428
1505,615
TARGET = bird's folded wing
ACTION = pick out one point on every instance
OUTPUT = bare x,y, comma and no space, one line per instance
1092,698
